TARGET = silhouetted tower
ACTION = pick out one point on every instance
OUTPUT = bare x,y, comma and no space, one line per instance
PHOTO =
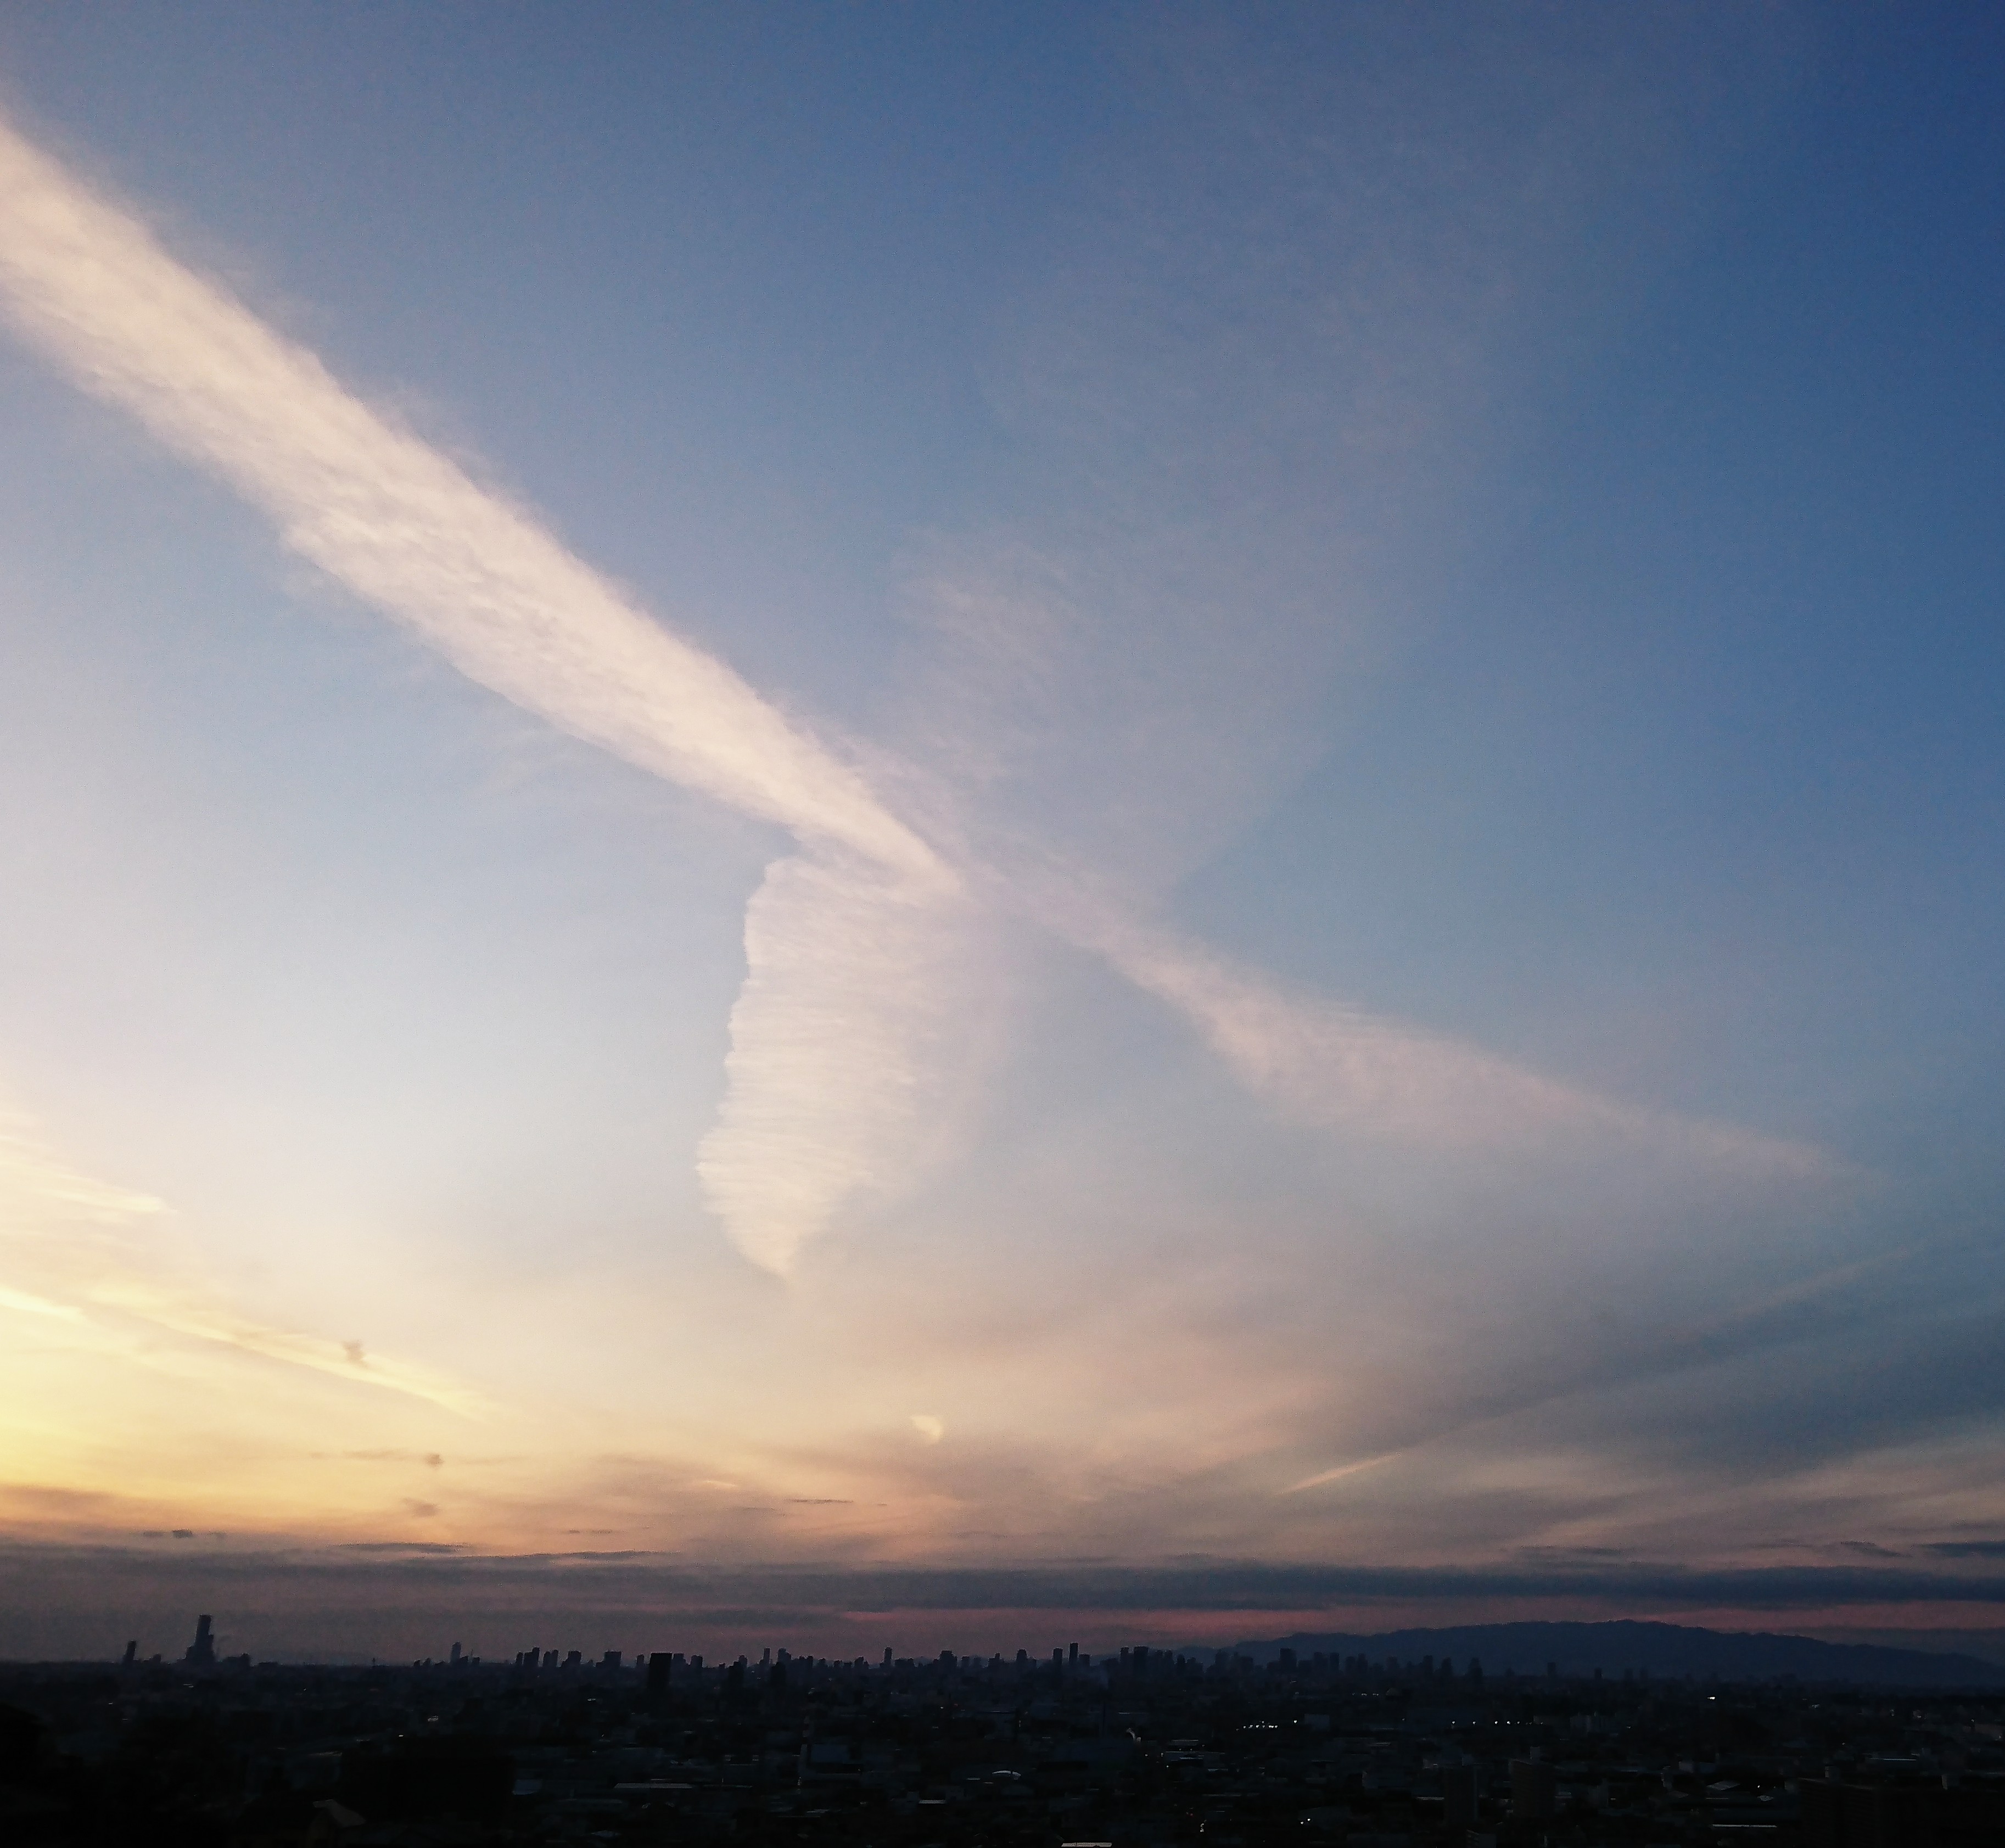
1459,1799
131,1655
1534,1789
201,1652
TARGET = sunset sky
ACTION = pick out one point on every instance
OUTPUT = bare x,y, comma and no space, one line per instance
964,826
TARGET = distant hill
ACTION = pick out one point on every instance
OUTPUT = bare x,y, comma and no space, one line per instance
1662,1649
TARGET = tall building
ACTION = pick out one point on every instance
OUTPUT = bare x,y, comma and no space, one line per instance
1459,1799
201,1652
1534,1789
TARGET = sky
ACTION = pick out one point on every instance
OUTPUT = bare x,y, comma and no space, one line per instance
981,827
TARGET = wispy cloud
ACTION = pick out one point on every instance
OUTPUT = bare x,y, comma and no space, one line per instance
401,524
1323,1477
23,1303
408,529
93,1254
837,1050
206,1320
38,1184
856,948
1326,1064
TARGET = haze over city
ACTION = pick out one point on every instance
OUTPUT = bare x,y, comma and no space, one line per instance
959,828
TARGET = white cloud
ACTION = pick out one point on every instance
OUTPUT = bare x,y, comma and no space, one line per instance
835,1073
857,949
1336,1065
487,586
401,524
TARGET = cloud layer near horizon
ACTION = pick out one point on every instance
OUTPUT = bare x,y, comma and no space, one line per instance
300,1601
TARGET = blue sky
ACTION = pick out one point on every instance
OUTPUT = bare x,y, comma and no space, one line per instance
1266,827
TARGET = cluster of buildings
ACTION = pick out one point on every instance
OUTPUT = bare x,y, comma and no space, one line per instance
1143,1749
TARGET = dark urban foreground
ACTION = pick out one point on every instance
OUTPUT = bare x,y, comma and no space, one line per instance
1142,1747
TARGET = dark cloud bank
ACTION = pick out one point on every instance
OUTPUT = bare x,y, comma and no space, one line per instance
399,1601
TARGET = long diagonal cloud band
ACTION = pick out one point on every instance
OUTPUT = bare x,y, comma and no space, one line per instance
406,529
398,523
852,947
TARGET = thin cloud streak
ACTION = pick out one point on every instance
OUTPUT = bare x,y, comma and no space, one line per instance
1343,1469
1343,1069
71,1236
29,1173
399,524
23,1303
206,1321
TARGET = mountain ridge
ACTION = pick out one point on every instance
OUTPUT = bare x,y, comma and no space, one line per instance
1628,1645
